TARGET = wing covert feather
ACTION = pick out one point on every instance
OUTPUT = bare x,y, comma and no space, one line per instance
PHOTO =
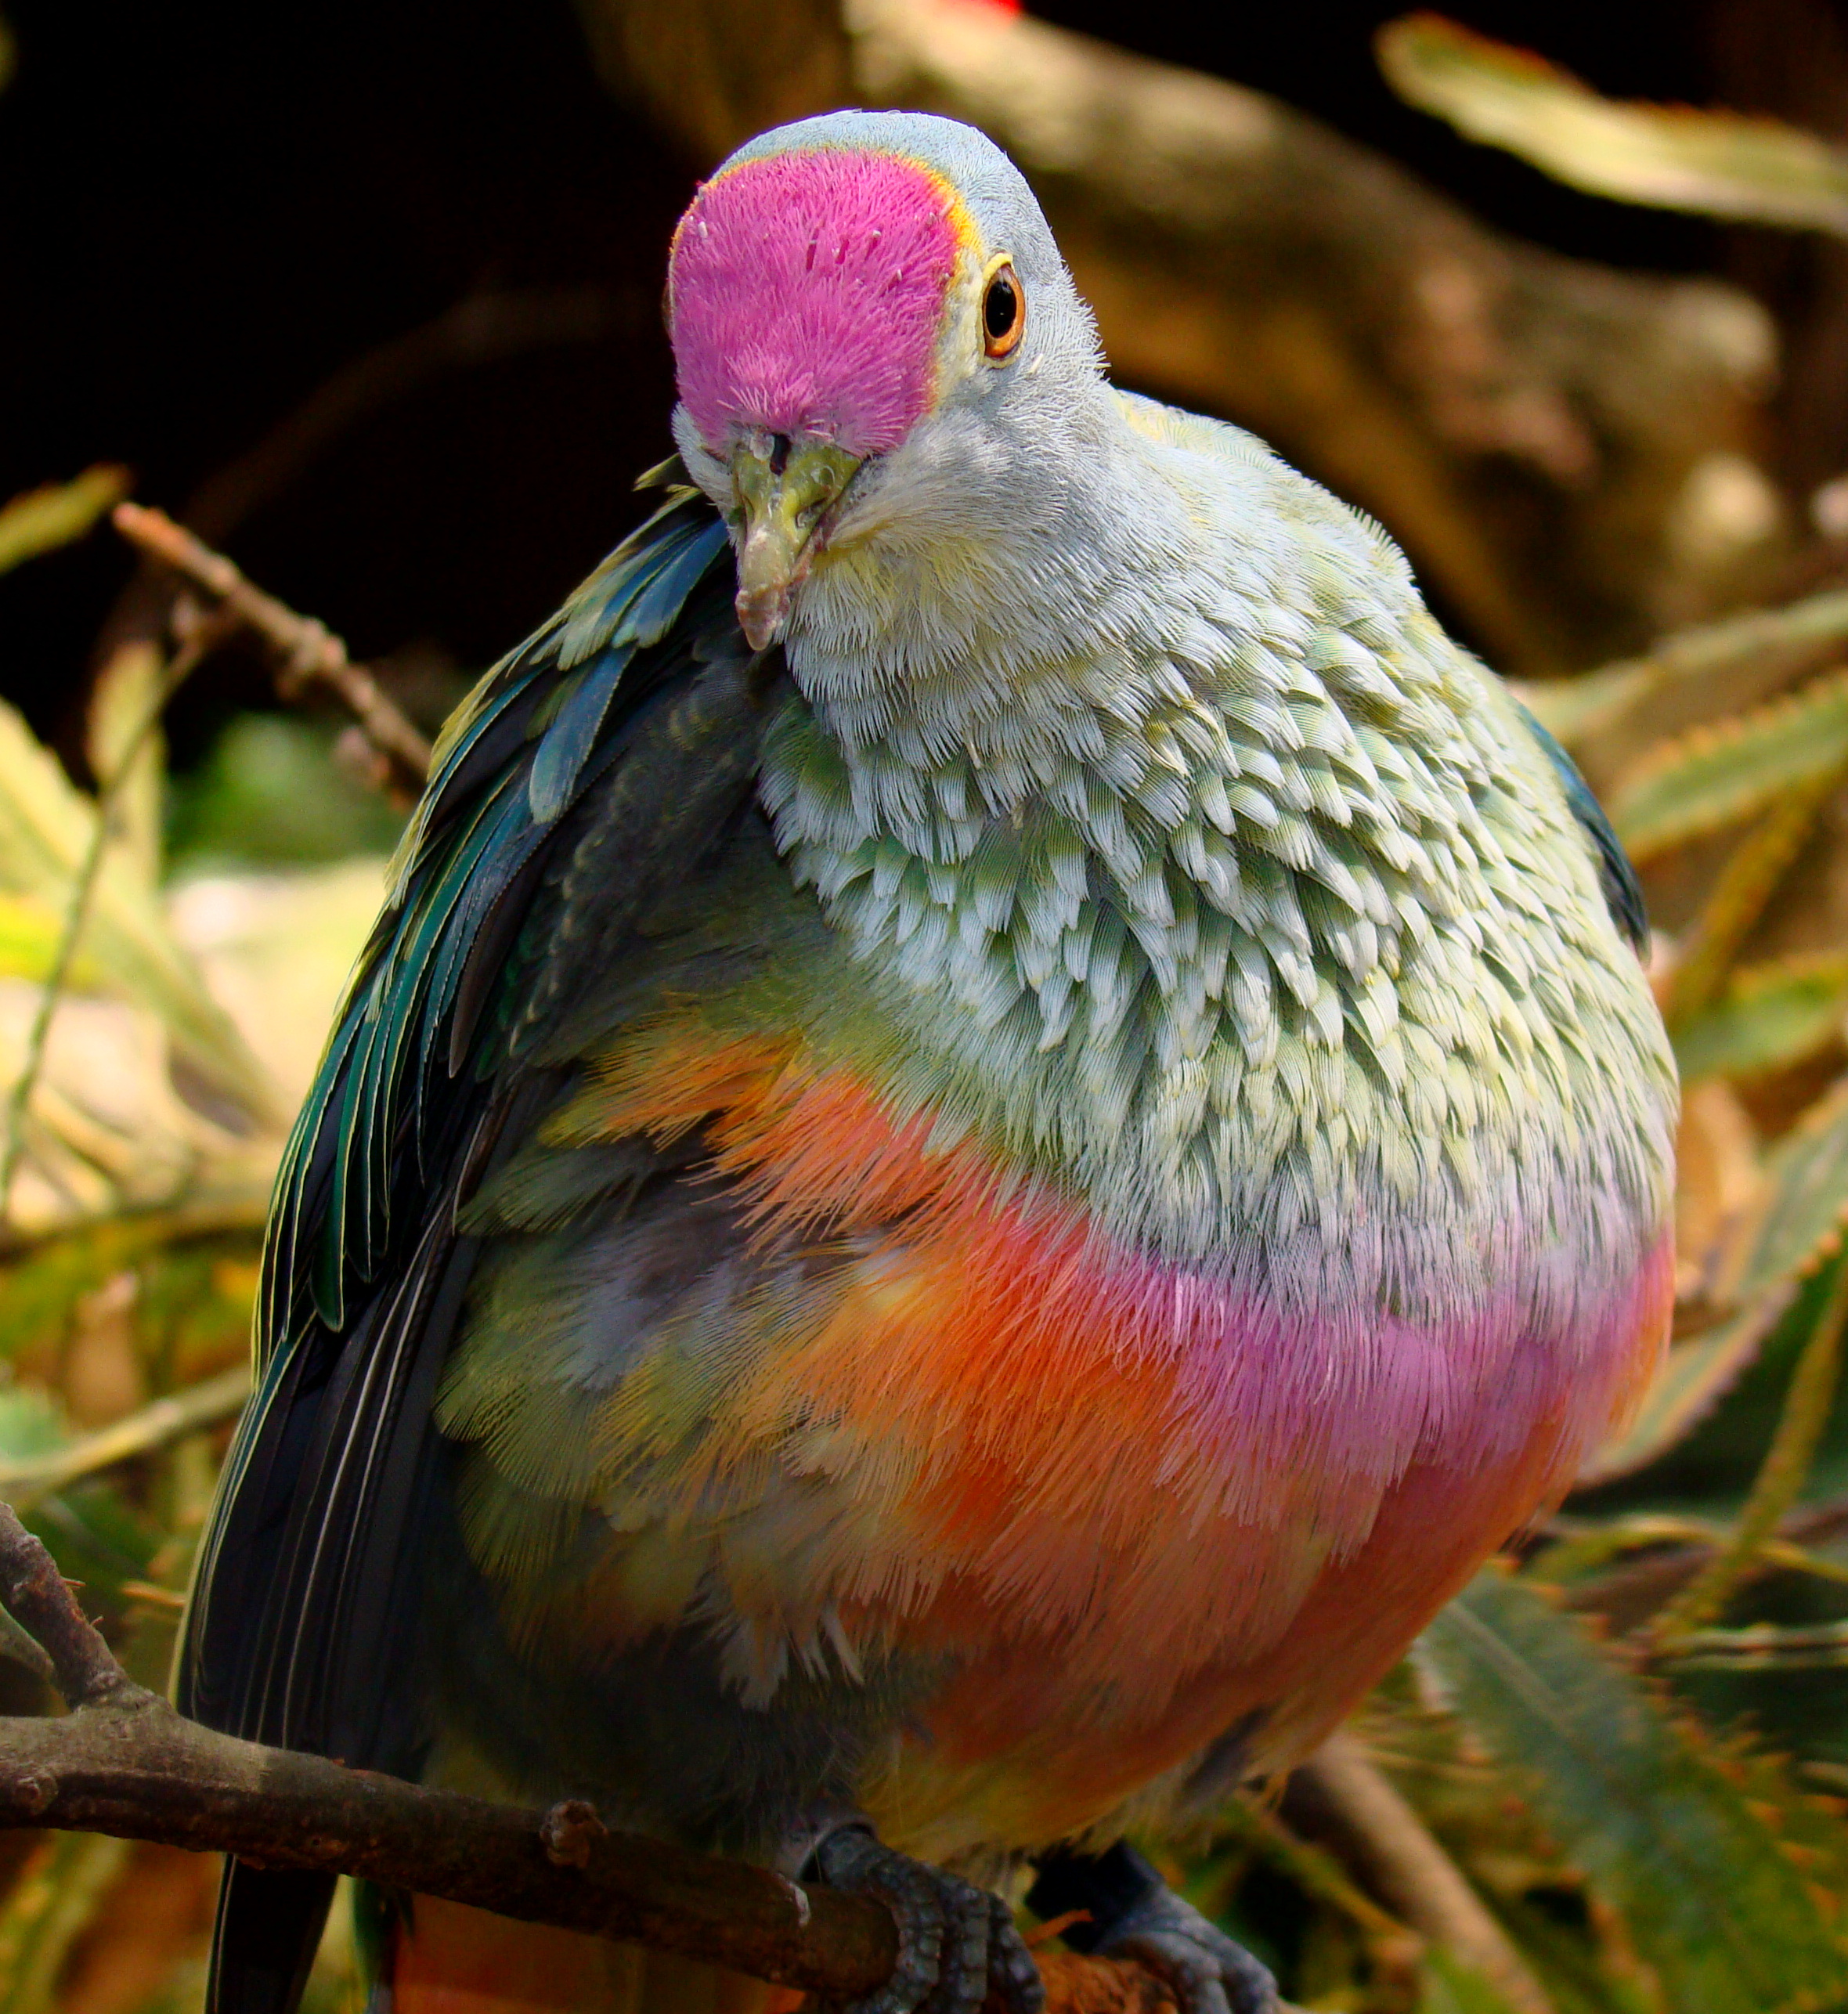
624,732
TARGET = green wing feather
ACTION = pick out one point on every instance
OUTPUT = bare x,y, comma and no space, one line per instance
582,773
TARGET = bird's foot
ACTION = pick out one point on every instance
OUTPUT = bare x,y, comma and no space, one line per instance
1207,1972
957,1943
1135,1915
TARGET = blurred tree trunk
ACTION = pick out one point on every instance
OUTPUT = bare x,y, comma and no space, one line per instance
1568,453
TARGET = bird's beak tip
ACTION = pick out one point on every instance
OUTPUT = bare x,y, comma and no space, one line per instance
762,614
782,504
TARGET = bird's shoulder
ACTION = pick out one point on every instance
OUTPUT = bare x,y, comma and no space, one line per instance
1354,586
1231,467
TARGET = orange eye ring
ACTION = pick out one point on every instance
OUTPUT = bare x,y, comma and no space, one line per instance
1003,313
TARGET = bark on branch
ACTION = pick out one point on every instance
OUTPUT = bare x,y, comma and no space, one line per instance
123,1762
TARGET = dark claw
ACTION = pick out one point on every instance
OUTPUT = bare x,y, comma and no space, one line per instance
1208,1973
957,1943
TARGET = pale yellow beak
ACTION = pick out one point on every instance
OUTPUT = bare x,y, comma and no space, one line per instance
785,490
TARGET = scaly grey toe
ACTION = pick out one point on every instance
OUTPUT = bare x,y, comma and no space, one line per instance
1209,1972
956,1942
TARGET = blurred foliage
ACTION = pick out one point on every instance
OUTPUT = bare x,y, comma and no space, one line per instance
1624,1750
1716,163
44,519
268,791
186,1029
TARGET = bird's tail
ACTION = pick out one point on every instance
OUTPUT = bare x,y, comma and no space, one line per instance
442,1958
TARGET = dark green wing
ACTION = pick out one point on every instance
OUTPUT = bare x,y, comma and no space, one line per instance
1623,892
588,770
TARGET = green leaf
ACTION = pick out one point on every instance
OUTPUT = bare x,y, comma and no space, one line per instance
1767,1016
1665,1831
1673,157
270,790
1451,1987
1806,1196
62,512
1694,1376
32,1423
1712,777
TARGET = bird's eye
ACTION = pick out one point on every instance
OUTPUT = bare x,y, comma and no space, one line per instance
1004,313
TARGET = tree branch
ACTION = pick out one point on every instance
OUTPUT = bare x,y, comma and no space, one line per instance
308,651
123,1762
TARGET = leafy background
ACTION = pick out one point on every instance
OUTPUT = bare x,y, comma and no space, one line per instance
1613,1776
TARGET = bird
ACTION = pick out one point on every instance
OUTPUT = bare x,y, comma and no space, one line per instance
1003,1118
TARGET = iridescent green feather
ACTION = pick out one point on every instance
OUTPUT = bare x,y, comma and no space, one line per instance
362,1257
464,850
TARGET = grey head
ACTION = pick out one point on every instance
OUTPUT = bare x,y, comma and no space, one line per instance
875,335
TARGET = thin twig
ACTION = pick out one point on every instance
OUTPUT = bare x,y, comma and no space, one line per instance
307,650
1407,1866
155,1426
224,1208
1628,1596
76,911
1762,1647
1785,1468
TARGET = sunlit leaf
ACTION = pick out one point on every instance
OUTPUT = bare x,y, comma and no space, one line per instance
1712,777
1716,163
1665,1833
1768,1015
29,933
45,824
126,694
43,519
